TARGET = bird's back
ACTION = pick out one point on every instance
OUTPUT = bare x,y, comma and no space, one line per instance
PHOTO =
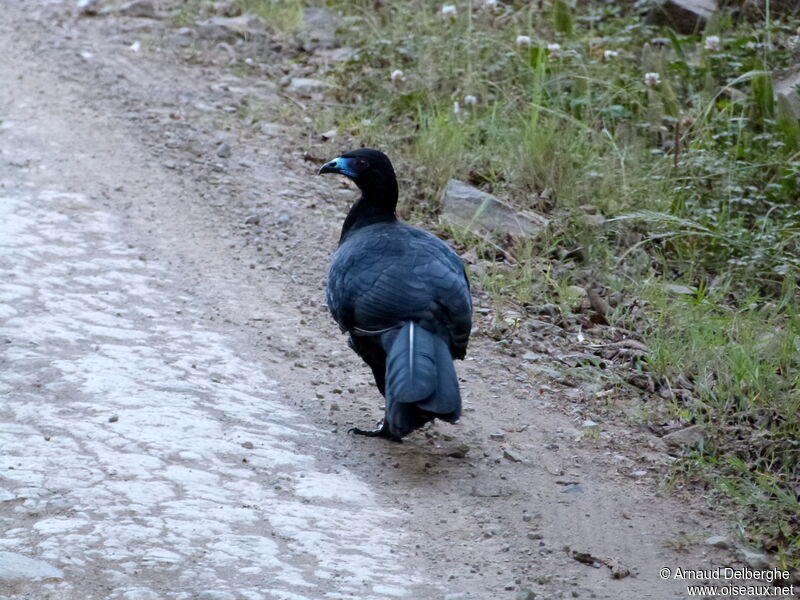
386,273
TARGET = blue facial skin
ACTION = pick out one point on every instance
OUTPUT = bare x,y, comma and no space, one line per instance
339,165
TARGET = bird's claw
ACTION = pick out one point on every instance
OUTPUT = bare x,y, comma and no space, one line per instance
382,430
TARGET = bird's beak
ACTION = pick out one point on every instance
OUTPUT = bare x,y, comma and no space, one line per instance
330,167
343,166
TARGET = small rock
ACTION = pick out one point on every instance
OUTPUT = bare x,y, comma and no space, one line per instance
224,150
589,424
551,310
679,290
231,29
486,491
512,456
618,570
531,356
534,535
576,291
87,8
479,212
597,220
304,86
143,9
113,418
329,135
755,560
690,437
318,29
248,445
252,220
525,594
718,541
497,437
459,451
334,407
684,16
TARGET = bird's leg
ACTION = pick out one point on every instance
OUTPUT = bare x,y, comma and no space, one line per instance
382,430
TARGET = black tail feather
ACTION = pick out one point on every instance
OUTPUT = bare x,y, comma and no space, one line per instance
421,381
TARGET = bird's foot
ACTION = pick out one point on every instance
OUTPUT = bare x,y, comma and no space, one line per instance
381,431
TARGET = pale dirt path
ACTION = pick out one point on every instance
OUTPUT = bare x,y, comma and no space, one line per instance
92,130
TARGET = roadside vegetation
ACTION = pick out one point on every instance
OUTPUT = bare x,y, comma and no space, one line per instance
671,175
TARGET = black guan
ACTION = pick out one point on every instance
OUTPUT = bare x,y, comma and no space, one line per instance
403,297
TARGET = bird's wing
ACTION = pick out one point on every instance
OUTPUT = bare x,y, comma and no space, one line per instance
387,274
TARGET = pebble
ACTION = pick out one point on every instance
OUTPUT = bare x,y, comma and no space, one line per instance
497,437
718,541
253,220
113,419
486,491
248,445
139,8
589,424
224,150
303,86
459,451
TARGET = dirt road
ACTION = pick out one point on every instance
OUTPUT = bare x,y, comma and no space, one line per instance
176,399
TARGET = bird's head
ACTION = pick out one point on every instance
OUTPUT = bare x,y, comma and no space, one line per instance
369,169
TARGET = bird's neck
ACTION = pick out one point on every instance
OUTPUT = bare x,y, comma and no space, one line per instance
372,207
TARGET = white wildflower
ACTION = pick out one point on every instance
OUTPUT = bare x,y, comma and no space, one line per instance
712,43
449,11
610,54
554,47
470,100
652,80
523,41
397,76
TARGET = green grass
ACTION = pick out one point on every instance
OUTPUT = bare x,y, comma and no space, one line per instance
697,171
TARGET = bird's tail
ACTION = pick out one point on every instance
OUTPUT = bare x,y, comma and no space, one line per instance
421,382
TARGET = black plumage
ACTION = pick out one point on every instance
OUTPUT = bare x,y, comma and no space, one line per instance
403,297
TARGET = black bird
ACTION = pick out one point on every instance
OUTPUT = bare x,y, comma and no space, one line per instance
403,297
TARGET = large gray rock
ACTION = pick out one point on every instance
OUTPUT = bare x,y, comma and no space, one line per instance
475,210
786,92
15,566
318,30
684,16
